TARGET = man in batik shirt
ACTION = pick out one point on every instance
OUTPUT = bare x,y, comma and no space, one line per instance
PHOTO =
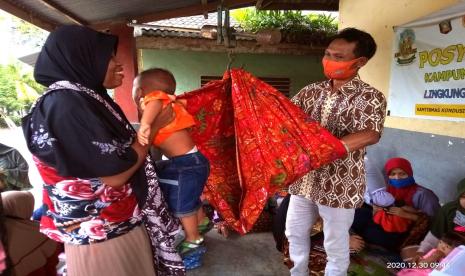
354,112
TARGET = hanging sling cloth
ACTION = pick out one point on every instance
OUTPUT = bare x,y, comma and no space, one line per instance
214,136
257,142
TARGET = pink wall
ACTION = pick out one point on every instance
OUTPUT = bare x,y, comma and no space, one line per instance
126,53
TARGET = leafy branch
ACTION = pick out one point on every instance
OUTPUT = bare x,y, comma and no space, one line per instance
18,91
252,20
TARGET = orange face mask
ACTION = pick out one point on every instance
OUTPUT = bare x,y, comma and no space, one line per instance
339,70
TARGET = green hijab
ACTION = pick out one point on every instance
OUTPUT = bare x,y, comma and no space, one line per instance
444,220
13,169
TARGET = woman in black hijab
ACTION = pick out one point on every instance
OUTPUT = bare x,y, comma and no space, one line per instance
92,166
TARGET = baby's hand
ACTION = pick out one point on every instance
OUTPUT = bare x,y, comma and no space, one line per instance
143,134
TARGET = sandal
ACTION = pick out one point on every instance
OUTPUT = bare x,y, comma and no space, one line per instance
205,226
187,248
192,262
191,253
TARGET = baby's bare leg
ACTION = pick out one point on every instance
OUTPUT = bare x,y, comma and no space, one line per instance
200,215
190,224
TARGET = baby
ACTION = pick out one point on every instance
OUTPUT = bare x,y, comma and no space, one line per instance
382,200
184,171
432,259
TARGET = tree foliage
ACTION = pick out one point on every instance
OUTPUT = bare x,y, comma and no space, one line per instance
252,20
18,91
8,98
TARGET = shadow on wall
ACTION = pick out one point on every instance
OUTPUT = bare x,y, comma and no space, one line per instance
438,161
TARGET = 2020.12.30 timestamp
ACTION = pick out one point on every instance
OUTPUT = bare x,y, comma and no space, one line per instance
420,265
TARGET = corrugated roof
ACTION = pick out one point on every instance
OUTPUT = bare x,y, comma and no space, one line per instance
102,14
195,22
157,32
102,10
162,27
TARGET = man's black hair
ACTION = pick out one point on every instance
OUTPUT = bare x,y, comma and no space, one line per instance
365,45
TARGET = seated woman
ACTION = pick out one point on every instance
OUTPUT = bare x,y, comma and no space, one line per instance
412,201
29,252
13,170
451,216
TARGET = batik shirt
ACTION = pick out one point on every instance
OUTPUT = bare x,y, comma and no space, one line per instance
355,107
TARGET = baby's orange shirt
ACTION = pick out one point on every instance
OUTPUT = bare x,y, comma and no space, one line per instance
181,120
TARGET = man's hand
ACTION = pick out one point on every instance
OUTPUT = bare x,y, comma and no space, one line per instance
361,139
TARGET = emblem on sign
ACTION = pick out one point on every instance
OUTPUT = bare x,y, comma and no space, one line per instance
406,53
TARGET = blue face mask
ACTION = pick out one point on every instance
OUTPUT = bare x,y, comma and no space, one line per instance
401,183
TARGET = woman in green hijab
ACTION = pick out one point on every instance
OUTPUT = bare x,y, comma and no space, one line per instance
13,170
451,217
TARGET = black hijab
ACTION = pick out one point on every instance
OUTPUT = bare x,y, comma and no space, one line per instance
76,54
75,127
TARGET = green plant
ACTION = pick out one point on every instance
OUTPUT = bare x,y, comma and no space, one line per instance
252,20
18,91
323,22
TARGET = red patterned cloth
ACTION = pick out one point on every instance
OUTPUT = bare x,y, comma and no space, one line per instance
214,136
257,142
